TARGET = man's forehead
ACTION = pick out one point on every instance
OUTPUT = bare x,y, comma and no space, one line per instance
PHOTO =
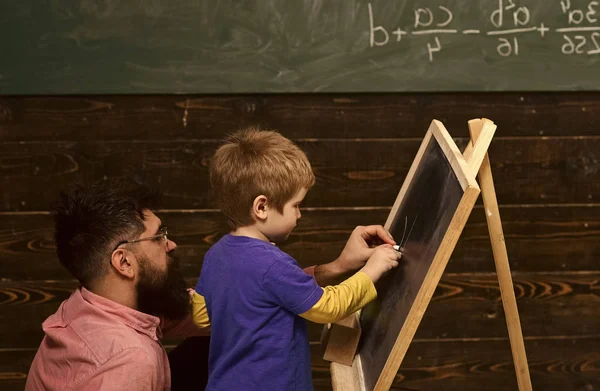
151,221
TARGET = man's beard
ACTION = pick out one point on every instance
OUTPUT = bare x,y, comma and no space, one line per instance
163,294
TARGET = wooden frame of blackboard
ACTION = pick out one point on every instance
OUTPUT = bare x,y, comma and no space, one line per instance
437,141
352,378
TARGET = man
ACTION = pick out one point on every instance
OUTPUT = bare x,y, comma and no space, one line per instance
106,336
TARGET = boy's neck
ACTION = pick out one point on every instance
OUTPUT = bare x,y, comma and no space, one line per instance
251,231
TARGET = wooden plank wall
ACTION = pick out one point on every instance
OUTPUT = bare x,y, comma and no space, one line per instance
545,160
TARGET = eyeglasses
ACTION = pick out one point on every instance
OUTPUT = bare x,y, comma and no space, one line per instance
162,234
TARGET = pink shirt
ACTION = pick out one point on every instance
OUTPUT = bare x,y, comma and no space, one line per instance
93,343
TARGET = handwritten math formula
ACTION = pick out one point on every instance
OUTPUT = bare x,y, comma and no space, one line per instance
508,21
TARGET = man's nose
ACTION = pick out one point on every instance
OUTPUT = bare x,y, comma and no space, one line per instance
171,245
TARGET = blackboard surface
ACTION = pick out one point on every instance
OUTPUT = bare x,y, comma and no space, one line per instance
212,46
422,220
427,218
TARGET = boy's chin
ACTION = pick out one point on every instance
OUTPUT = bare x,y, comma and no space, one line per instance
277,239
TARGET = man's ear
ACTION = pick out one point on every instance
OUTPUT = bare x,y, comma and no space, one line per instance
260,208
122,261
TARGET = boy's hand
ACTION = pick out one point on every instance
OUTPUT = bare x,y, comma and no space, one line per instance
358,248
383,259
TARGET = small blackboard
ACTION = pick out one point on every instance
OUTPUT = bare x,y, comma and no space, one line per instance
428,216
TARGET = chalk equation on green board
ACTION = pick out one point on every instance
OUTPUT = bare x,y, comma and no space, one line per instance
580,36
308,46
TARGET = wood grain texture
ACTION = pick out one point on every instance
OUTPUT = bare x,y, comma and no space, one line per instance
464,306
538,238
298,116
488,365
350,173
14,365
545,164
437,365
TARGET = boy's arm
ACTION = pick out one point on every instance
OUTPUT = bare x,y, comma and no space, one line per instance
354,255
341,300
200,312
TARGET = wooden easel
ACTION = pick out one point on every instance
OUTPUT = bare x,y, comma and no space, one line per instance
341,339
492,214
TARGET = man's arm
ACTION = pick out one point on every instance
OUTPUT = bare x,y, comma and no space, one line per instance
331,273
355,254
183,328
194,325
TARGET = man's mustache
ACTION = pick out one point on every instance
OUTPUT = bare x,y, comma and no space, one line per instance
173,259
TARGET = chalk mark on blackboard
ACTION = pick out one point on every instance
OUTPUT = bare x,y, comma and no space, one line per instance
573,29
435,31
403,232
512,31
402,241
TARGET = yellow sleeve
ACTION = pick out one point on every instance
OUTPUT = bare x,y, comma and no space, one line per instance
199,311
341,300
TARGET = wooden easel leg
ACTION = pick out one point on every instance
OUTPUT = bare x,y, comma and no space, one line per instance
509,302
345,378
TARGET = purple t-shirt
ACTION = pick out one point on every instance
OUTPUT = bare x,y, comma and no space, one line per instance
254,293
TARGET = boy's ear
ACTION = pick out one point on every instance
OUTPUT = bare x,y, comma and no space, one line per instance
260,207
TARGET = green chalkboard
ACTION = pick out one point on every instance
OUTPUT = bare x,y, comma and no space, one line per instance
218,46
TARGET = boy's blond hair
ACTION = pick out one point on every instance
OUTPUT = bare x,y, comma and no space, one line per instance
254,162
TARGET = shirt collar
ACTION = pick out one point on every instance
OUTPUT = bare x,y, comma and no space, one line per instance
143,323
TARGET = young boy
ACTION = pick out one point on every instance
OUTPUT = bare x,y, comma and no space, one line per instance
256,296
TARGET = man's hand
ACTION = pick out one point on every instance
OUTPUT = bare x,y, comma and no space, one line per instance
360,247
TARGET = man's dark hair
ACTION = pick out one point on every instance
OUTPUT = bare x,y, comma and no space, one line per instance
91,220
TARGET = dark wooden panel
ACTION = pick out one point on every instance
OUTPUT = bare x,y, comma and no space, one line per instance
14,365
469,305
163,117
464,306
555,364
438,365
12,384
349,173
538,239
